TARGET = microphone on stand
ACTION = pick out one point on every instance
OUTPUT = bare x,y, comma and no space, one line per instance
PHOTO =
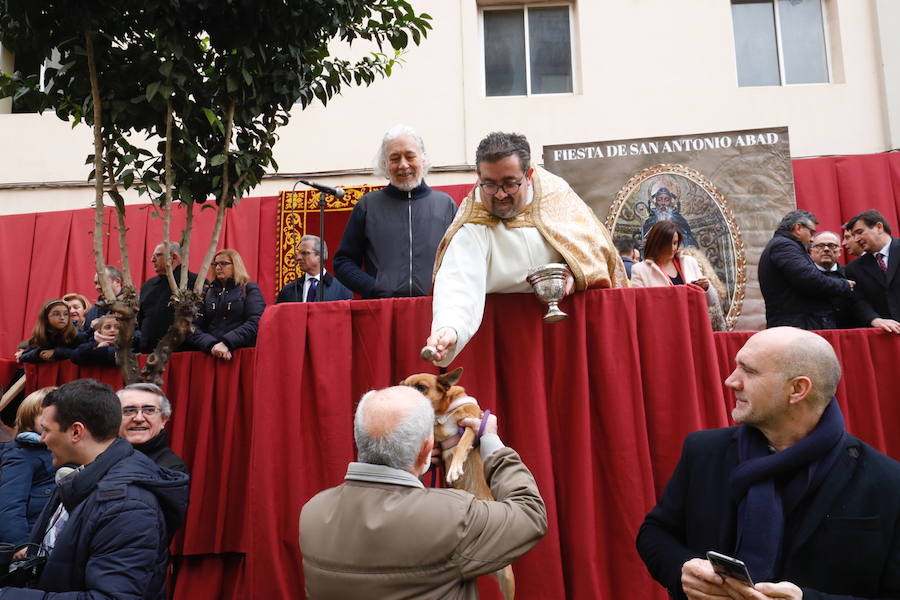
336,192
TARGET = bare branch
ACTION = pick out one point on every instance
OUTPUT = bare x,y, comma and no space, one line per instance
167,209
224,201
99,261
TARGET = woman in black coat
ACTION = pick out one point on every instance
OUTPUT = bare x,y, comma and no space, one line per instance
229,317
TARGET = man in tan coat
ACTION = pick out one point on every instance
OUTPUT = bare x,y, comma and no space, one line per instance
382,534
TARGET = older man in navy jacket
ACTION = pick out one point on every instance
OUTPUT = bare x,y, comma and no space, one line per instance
811,510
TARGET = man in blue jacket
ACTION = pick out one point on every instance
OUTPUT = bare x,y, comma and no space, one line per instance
392,236
106,531
812,511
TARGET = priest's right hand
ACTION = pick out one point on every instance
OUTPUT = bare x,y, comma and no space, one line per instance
443,340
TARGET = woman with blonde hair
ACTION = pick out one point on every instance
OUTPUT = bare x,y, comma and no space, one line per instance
232,306
26,473
53,337
78,305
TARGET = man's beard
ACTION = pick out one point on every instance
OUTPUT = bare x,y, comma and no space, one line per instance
407,186
663,214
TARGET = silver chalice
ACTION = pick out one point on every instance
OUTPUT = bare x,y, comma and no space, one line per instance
549,284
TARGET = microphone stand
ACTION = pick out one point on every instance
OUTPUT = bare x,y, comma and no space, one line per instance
320,291
323,255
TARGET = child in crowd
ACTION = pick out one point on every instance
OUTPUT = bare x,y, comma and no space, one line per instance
101,350
54,336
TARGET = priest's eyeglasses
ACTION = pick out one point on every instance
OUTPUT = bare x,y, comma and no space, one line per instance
509,187
825,246
147,411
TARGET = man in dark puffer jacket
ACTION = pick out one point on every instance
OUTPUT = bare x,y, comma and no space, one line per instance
106,530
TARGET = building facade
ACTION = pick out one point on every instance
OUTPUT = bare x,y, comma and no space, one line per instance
559,72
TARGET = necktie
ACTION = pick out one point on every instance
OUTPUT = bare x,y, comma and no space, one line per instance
311,294
881,262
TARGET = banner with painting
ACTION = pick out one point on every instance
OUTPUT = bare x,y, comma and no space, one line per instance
726,191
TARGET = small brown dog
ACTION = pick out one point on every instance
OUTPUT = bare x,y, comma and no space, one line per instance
465,469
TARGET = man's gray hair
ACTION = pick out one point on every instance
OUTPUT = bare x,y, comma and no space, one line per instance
804,217
320,245
399,448
174,248
114,273
381,158
165,407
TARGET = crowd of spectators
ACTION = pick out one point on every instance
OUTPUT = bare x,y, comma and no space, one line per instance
391,247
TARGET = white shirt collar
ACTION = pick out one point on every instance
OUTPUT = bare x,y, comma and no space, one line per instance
834,267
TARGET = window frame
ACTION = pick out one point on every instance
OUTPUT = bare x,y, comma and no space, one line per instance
525,7
779,45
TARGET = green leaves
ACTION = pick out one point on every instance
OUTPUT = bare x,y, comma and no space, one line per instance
199,57
152,89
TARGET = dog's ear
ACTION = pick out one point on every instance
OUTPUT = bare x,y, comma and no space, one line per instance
449,379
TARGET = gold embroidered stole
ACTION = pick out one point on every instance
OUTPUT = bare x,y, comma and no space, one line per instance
565,222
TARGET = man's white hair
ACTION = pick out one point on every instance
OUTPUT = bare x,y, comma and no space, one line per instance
400,447
381,159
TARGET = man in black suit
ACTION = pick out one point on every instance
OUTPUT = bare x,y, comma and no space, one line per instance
788,491
796,293
306,288
875,272
155,313
824,252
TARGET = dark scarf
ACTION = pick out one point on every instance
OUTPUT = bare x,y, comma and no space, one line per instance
767,486
154,445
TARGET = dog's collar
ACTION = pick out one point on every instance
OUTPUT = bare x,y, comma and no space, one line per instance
452,442
461,401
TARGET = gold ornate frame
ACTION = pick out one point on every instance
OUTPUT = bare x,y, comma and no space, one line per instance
293,210
734,231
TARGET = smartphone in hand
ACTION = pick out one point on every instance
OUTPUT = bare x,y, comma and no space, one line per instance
726,566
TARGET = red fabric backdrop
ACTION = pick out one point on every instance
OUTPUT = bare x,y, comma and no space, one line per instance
42,272
597,405
834,188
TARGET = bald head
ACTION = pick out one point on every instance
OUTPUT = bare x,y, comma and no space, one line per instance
391,425
796,353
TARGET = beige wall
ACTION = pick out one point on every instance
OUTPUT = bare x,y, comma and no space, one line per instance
643,68
888,26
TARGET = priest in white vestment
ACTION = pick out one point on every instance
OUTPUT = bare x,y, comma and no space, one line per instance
516,219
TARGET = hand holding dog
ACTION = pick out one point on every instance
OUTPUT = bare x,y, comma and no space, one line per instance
443,341
474,424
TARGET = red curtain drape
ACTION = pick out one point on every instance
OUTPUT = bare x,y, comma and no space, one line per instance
51,254
53,251
597,405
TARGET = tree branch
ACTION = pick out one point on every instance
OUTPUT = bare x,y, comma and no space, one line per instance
223,202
